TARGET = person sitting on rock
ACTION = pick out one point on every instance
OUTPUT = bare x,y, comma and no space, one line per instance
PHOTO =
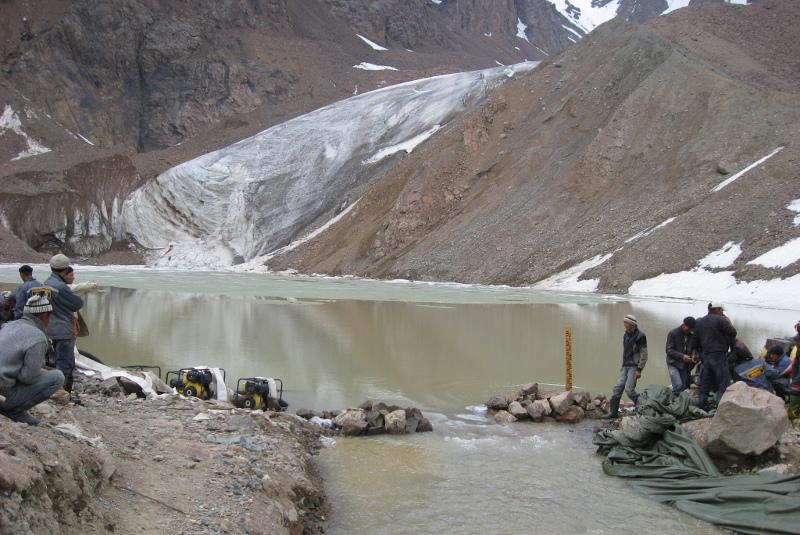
751,371
778,370
634,357
23,344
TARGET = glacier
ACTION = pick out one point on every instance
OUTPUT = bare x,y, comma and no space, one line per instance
248,199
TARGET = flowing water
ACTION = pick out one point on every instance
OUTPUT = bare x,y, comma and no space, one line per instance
443,348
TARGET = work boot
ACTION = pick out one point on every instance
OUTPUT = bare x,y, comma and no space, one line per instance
24,418
614,412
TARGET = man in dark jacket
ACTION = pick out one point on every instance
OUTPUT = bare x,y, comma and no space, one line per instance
679,354
62,325
634,358
23,292
23,345
7,307
714,337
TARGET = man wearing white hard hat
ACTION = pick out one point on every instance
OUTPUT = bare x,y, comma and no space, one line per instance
23,344
62,329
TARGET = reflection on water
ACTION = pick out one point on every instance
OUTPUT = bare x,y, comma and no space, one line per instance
336,343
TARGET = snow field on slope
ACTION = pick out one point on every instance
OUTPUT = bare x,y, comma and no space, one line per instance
9,120
250,198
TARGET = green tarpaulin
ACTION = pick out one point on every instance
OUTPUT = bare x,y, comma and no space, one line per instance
665,464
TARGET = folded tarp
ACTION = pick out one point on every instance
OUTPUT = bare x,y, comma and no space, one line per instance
665,464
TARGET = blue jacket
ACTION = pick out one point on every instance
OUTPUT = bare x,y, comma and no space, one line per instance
22,296
65,304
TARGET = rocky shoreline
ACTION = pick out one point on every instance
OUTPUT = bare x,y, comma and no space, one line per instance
531,403
123,464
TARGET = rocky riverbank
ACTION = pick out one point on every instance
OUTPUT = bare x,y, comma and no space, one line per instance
370,418
128,465
530,403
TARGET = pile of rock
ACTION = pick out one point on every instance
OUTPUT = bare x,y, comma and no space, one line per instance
371,418
529,403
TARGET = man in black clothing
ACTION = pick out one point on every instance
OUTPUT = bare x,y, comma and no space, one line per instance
679,354
714,337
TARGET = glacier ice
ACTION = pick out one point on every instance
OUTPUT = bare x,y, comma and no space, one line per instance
250,198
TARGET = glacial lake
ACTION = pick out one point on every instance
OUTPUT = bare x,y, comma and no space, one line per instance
444,348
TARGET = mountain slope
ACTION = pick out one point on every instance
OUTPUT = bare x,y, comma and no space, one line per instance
606,155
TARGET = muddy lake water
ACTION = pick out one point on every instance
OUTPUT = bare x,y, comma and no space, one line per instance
443,348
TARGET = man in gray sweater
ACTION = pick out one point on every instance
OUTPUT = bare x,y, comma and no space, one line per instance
23,344
62,326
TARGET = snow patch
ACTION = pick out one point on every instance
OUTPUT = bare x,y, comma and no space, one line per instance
408,146
373,45
672,5
521,27
649,231
578,35
794,206
500,64
10,121
722,257
746,169
366,66
568,280
587,14
87,141
700,284
780,256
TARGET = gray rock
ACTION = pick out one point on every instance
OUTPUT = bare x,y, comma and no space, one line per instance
352,428
581,399
110,387
305,413
539,409
530,389
748,421
497,403
504,417
350,416
698,430
375,419
395,422
723,167
424,426
517,410
572,415
561,402
366,405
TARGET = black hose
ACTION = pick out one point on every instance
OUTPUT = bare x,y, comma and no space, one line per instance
90,356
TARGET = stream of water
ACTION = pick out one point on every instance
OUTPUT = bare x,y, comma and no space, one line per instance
443,348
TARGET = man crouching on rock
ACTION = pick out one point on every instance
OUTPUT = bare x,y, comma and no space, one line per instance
23,344
634,357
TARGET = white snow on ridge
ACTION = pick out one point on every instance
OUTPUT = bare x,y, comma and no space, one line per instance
705,285
736,176
649,231
89,142
407,146
366,66
722,257
568,280
780,256
521,27
9,120
578,35
373,45
250,198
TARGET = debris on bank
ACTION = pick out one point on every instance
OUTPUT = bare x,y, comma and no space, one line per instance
370,418
531,403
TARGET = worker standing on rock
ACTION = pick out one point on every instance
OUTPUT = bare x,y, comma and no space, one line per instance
634,357
714,337
23,344
679,354
23,292
62,325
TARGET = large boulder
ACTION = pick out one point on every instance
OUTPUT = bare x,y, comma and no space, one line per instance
350,416
395,422
504,417
413,418
517,410
497,403
353,428
748,421
582,399
425,426
572,415
698,430
561,402
530,389
539,409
